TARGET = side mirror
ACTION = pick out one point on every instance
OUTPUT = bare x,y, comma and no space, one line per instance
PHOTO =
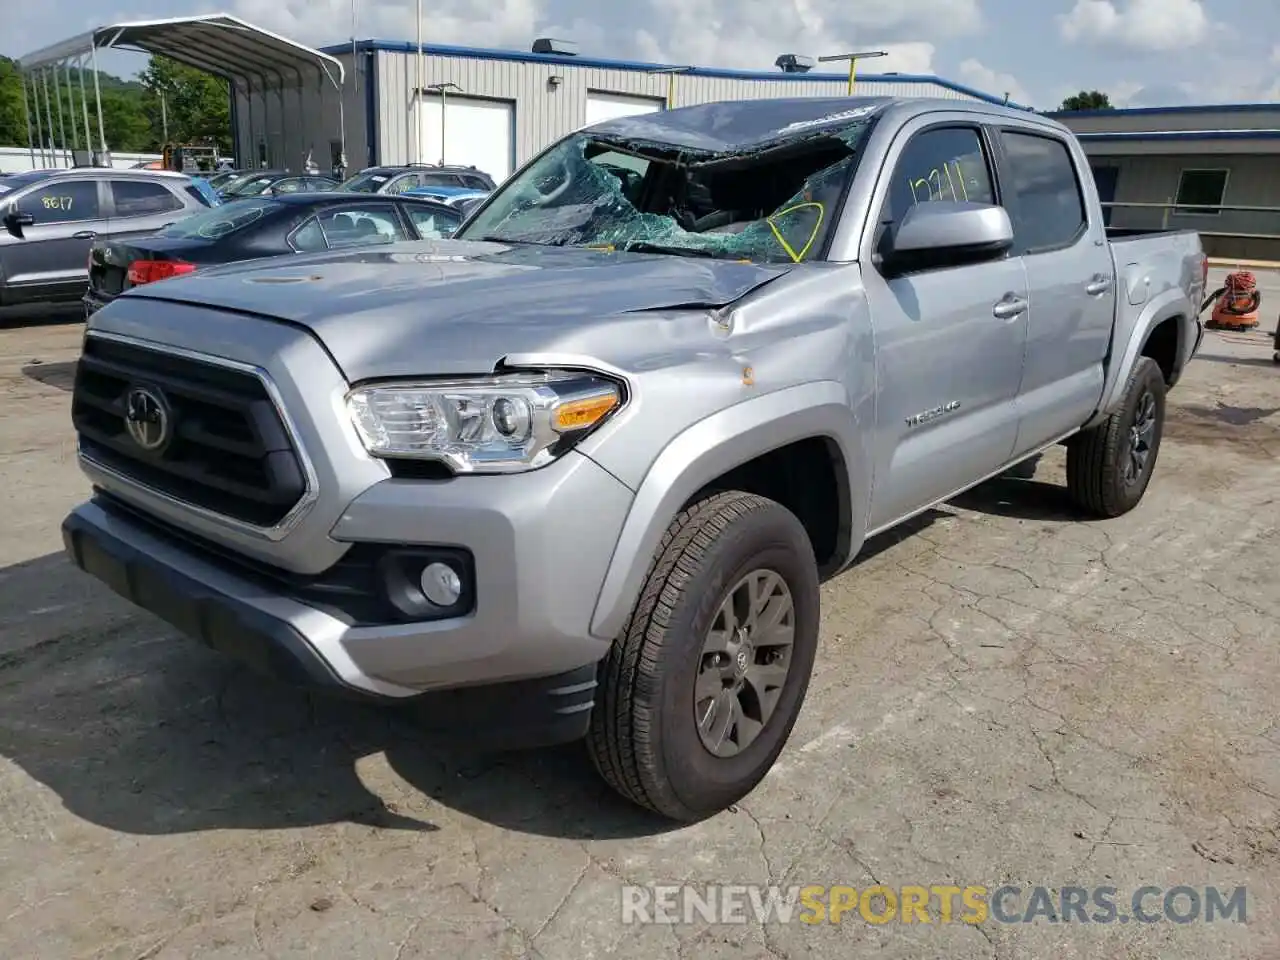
15,221
942,233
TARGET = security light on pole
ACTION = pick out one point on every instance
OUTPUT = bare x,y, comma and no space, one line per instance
853,59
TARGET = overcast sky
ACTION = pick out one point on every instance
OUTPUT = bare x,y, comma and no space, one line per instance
1142,52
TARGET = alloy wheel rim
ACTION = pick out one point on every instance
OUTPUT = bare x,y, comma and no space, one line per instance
746,657
1141,439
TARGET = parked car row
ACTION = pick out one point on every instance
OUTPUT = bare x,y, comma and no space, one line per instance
90,233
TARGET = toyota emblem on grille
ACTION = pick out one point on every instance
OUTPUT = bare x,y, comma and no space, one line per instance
147,418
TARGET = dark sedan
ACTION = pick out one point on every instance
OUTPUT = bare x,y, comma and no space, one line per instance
262,227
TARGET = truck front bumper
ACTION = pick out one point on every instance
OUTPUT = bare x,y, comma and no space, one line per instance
520,661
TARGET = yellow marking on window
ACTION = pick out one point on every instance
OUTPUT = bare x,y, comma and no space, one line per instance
791,252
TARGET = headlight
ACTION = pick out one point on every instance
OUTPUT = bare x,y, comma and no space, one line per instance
500,424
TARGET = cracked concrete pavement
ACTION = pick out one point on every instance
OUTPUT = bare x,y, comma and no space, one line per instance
1004,694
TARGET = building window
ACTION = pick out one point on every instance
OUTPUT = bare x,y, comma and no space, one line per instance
1200,192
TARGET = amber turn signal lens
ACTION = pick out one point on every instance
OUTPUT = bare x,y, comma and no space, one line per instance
580,414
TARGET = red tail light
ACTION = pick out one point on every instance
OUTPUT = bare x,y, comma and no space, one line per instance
149,271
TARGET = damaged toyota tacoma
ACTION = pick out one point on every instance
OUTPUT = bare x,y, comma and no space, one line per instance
586,463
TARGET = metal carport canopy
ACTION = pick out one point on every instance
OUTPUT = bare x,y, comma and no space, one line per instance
216,43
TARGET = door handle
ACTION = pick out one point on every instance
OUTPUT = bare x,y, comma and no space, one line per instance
1008,308
1098,285
84,235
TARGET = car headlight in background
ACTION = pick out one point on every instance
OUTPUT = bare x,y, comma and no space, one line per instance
499,424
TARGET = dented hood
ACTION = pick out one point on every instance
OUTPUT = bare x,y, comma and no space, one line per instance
458,307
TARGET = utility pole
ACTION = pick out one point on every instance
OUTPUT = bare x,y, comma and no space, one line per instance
355,69
417,96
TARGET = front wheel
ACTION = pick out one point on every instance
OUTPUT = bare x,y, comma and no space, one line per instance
1109,466
700,692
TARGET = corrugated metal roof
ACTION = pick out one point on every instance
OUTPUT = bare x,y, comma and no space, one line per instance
220,44
520,56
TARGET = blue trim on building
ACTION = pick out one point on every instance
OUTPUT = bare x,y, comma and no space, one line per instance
1156,111
1166,135
519,56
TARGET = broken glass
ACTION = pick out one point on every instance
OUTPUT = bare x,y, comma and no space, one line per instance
774,204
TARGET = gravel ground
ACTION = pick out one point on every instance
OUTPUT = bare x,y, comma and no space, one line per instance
1005,694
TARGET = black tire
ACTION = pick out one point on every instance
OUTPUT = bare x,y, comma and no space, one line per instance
644,738
1097,458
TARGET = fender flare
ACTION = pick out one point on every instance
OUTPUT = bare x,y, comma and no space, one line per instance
1165,306
709,449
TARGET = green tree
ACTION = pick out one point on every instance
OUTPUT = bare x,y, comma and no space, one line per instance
196,106
125,122
13,123
1087,100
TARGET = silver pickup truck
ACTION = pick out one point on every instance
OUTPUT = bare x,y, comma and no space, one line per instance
579,472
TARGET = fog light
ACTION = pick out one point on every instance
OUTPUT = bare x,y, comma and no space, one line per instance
441,584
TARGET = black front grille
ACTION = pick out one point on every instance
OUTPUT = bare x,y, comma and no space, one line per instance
229,451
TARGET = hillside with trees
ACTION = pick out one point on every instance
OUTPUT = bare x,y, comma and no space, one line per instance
195,105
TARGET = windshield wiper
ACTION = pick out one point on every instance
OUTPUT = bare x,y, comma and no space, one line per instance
645,246
493,238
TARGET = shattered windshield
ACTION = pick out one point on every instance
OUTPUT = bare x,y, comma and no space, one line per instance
771,204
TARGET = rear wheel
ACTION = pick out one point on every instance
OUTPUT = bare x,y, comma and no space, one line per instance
700,692
1109,466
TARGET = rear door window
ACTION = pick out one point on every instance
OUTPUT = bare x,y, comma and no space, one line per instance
309,238
361,226
63,201
138,198
1045,201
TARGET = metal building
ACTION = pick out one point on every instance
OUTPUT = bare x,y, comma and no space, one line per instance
497,108
1213,169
